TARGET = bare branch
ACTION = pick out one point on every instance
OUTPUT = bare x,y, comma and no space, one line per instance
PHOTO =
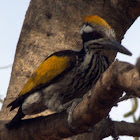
115,129
1,101
125,97
119,77
5,67
138,64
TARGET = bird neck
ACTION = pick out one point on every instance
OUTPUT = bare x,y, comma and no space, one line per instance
93,64
109,54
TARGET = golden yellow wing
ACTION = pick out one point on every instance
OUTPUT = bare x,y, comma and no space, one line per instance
47,71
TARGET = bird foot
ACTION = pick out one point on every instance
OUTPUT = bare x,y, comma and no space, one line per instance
70,112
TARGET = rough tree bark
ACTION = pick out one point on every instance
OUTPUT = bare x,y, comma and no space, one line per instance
51,26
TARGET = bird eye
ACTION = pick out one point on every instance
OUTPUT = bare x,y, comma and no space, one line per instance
87,24
95,35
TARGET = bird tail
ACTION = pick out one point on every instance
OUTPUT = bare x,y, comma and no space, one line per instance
15,122
16,103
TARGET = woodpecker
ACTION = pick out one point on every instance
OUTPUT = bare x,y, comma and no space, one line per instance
67,75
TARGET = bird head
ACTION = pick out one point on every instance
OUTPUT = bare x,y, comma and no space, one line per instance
97,34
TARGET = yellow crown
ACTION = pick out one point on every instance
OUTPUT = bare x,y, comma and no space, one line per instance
96,20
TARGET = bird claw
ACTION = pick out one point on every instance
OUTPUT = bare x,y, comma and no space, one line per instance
70,112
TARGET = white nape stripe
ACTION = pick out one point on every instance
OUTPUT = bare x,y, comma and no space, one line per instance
86,29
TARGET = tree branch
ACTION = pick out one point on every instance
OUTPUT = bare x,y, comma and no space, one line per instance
107,127
1,101
119,77
51,26
5,67
125,97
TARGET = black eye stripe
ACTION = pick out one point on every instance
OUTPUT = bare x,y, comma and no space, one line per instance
87,24
91,36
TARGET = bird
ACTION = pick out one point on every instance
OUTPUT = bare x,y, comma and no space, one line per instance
66,76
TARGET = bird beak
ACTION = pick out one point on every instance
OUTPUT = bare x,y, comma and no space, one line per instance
114,45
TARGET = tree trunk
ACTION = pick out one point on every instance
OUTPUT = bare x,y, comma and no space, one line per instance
53,25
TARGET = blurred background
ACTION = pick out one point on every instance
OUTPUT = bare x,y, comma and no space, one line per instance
12,14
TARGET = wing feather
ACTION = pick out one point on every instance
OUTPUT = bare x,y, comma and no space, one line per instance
51,69
47,71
